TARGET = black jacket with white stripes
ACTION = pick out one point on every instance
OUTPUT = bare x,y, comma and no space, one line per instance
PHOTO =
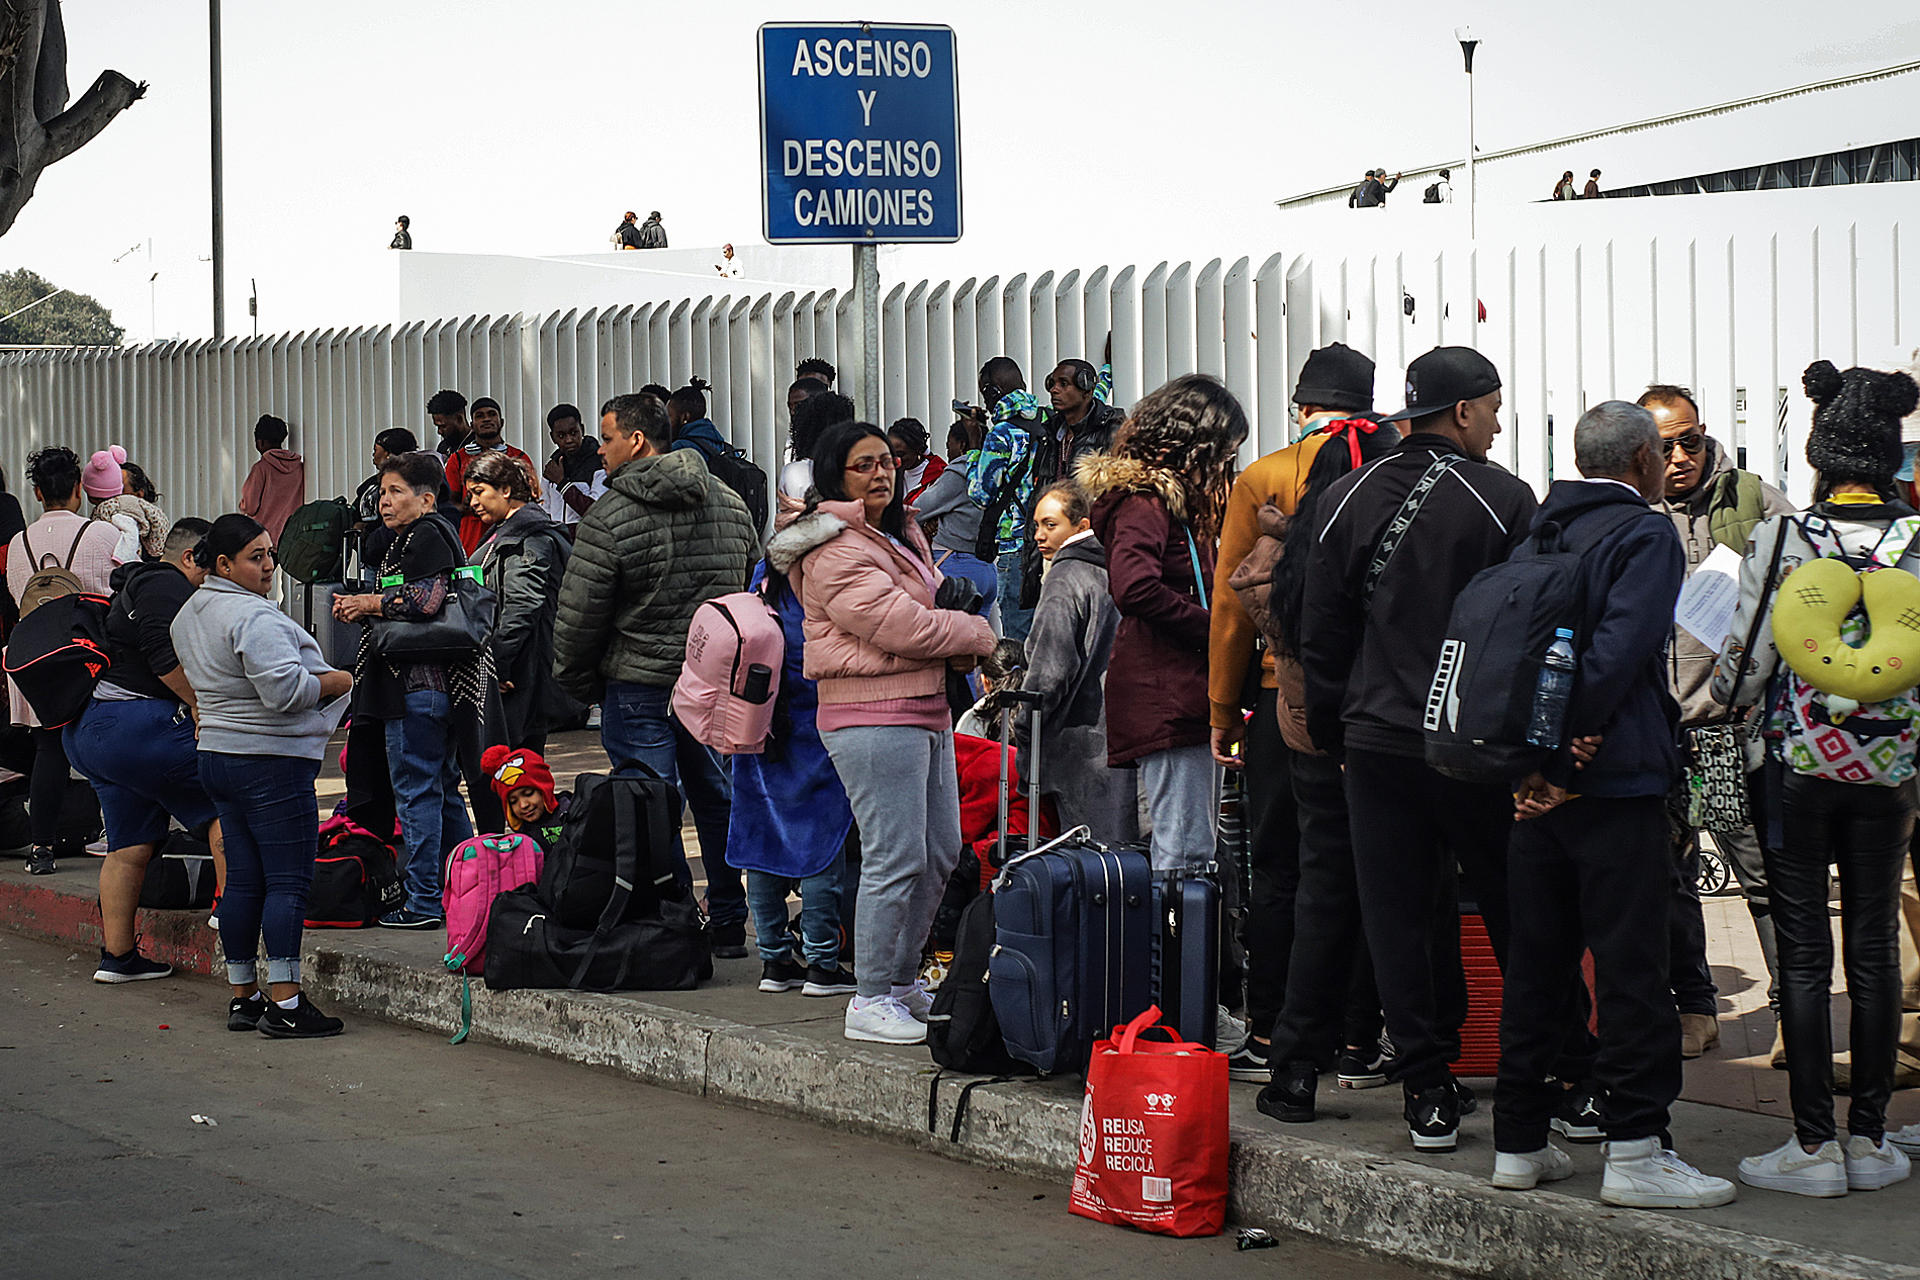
1369,662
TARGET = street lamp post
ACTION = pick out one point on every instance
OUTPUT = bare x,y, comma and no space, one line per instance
1468,43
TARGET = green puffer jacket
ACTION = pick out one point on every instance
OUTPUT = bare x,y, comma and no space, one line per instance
665,538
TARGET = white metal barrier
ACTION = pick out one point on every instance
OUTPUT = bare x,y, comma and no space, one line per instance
1736,319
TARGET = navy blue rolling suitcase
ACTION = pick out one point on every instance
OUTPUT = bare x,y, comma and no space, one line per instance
1073,944
1186,953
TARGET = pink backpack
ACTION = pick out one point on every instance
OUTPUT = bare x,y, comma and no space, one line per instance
478,871
726,690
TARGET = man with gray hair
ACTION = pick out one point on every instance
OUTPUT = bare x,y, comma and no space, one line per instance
1591,871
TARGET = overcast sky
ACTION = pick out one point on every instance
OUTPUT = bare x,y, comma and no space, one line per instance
1127,131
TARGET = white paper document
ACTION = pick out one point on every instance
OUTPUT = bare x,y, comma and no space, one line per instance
1708,599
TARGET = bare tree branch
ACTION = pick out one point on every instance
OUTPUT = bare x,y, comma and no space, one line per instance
79,124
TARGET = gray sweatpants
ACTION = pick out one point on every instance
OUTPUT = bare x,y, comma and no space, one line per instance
906,803
1182,786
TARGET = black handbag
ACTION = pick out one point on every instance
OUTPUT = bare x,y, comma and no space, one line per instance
463,625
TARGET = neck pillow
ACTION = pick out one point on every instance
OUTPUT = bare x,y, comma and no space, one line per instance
1808,611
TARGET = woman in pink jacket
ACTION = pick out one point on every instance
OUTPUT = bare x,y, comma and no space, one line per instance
881,626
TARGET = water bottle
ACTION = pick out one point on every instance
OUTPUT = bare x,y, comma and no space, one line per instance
1551,693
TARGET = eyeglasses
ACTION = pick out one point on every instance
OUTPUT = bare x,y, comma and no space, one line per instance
1691,443
867,466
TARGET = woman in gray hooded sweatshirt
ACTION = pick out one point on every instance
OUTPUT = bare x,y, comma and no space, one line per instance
260,681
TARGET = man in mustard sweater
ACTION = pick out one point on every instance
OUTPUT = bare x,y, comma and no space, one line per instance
1335,384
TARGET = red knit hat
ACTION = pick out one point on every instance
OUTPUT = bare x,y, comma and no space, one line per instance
511,768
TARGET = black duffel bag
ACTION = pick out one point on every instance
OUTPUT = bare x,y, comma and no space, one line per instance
578,877
649,934
180,876
526,949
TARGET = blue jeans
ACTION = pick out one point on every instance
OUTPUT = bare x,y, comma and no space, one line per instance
422,760
266,809
636,724
140,756
1015,622
819,914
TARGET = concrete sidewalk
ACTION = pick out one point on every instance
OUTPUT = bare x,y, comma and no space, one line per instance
1351,1178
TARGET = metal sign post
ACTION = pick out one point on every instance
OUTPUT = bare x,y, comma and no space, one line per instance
860,145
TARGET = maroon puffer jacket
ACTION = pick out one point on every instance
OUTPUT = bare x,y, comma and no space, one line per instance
1157,678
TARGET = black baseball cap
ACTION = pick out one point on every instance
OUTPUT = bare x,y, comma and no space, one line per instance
1443,377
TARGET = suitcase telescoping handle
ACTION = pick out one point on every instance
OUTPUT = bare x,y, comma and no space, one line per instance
1019,697
1081,832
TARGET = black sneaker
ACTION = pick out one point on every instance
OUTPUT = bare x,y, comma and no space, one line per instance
1364,1068
1468,1100
1289,1099
730,941
131,967
781,975
1433,1118
1577,1118
1249,1062
244,1012
837,981
405,919
40,861
302,1022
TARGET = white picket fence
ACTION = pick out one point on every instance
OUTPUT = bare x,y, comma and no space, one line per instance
1735,318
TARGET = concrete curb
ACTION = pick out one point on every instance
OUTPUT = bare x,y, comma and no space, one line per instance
1398,1208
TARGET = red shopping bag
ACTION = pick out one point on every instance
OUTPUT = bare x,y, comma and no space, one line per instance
1153,1134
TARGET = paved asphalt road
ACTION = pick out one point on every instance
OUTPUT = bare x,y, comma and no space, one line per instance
387,1152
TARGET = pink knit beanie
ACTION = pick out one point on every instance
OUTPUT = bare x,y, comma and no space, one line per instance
102,477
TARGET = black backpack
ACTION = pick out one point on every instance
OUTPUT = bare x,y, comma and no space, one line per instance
312,546
1481,699
580,873
963,1032
1431,195
739,473
57,654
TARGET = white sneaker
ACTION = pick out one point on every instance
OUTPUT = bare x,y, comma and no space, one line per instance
1644,1175
917,1000
1525,1170
1229,1033
1907,1139
1869,1168
883,1020
1790,1168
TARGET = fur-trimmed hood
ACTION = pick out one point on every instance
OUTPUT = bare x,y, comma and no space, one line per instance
1102,473
791,544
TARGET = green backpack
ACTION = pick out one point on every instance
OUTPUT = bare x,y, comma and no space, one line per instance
313,545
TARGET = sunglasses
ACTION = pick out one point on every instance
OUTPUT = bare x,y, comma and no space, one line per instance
867,466
1691,443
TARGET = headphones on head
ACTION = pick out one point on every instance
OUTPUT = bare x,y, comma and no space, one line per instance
1084,375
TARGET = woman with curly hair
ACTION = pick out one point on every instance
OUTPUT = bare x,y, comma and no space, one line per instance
1157,497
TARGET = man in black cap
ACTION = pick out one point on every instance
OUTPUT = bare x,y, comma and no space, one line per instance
1296,814
1402,535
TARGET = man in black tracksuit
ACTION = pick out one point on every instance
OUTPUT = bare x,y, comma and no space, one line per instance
1593,870
1380,585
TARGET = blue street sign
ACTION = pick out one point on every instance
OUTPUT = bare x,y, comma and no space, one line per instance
859,133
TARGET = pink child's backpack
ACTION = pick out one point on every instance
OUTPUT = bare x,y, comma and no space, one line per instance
478,871
726,690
